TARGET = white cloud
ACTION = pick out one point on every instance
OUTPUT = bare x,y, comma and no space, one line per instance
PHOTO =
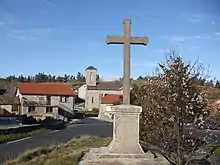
214,22
139,15
217,36
180,39
94,44
28,34
2,23
50,3
174,38
144,64
192,48
192,17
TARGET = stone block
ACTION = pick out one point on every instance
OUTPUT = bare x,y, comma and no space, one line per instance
126,130
100,156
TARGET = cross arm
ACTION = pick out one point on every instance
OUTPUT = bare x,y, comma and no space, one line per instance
114,40
139,40
121,39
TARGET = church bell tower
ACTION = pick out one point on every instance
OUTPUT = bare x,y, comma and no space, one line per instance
91,75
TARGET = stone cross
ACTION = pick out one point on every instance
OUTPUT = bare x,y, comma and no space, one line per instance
126,40
125,147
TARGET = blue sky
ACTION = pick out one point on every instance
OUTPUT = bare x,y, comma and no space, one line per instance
59,37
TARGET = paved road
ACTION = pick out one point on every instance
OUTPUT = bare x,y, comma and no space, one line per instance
88,127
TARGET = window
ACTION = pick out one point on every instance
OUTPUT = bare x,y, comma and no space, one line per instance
67,99
15,108
64,99
92,100
31,109
91,77
48,100
49,109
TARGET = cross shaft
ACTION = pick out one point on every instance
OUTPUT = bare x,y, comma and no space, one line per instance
127,40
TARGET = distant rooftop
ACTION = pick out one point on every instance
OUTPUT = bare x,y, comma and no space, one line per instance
45,88
91,68
107,85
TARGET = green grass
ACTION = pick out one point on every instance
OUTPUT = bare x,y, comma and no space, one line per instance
217,152
65,154
4,138
7,126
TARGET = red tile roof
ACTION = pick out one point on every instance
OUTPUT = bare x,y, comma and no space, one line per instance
45,88
110,98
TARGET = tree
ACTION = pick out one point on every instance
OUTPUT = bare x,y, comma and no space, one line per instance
79,76
97,77
21,78
140,78
172,101
66,77
28,79
217,84
210,83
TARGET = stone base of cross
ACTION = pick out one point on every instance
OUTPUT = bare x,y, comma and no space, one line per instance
124,148
126,130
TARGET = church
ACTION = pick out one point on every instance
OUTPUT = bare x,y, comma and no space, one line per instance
93,92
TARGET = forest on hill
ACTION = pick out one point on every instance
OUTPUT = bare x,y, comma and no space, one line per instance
211,87
75,80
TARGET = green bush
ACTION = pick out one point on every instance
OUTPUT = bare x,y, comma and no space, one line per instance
95,110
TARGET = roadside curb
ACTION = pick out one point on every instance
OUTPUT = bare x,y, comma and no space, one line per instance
13,141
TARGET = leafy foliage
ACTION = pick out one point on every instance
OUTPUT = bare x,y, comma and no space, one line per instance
171,101
217,85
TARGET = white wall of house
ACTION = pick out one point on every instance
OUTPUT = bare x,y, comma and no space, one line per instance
7,107
105,112
93,99
82,92
42,99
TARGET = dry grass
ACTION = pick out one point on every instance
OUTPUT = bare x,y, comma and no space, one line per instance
64,154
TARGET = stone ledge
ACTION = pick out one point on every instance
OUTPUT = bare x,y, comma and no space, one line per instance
128,109
99,156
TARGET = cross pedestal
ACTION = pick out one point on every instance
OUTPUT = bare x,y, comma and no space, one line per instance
124,148
126,130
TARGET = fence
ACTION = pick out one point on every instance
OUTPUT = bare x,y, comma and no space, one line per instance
11,119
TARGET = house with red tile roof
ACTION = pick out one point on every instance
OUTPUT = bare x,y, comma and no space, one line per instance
110,99
107,102
46,99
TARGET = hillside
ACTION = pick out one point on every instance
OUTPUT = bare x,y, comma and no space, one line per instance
3,83
212,93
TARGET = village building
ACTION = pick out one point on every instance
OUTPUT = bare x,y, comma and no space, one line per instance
9,103
94,91
106,106
46,99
